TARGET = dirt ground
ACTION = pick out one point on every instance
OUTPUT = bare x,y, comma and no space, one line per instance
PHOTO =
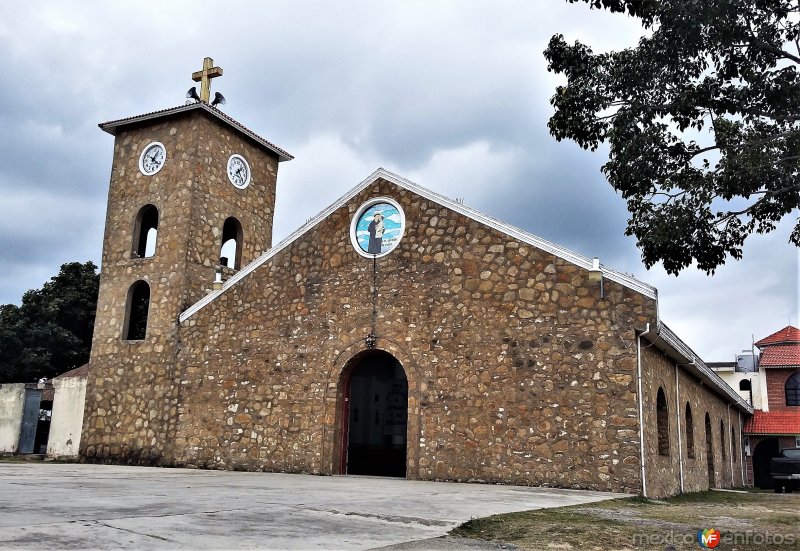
746,520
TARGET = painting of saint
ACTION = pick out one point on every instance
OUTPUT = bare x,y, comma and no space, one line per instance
379,228
375,228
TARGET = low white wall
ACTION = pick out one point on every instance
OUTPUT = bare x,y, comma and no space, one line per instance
67,418
12,401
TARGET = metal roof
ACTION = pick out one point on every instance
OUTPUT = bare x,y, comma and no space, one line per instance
668,342
112,126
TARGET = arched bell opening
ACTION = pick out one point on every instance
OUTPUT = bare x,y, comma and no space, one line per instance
230,253
145,232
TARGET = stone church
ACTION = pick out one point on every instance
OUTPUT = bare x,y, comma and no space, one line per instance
397,333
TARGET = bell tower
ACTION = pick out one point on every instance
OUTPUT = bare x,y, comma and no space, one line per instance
191,197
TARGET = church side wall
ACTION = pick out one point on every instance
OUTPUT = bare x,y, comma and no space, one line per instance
662,472
518,371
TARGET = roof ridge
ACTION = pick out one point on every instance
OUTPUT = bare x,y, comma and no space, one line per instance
511,231
789,334
110,126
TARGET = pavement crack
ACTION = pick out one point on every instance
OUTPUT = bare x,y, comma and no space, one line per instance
132,531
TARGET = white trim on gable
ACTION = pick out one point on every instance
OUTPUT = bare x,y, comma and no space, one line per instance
516,233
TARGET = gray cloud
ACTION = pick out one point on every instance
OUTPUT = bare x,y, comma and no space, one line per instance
451,95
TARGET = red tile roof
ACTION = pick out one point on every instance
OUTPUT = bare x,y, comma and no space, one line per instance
780,355
773,422
786,335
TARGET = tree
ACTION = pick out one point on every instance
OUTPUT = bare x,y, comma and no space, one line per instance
702,120
51,332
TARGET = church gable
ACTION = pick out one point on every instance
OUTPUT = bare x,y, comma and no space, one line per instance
495,336
503,232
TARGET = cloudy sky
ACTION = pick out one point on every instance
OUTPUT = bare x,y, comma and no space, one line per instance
452,95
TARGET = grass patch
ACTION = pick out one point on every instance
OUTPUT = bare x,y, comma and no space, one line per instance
14,459
640,523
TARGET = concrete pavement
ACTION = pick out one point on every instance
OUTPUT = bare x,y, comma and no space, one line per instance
73,506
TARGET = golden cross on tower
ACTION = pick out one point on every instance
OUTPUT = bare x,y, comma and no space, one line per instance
204,77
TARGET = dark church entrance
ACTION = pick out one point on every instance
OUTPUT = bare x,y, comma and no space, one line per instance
764,451
376,416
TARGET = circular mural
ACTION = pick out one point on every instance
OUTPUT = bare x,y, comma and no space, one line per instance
377,227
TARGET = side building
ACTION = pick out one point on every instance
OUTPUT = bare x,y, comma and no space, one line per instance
775,424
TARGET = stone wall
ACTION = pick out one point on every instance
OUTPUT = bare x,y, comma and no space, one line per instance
131,411
518,371
663,472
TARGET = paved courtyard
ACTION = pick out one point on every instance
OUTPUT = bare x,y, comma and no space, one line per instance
71,506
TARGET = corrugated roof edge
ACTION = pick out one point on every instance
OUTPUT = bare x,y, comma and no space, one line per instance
667,341
111,126
81,371
511,231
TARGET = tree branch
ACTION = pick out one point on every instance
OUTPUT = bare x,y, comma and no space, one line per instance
757,42
747,144
728,215
776,161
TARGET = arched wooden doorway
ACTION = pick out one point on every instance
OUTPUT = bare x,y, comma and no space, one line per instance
374,415
763,452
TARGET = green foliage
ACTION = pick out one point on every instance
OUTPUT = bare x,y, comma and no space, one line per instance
51,332
702,120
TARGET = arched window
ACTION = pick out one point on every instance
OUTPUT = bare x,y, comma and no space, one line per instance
230,254
145,232
793,390
662,422
689,432
722,438
137,308
745,384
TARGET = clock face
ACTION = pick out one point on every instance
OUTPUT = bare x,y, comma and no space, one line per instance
152,158
238,171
